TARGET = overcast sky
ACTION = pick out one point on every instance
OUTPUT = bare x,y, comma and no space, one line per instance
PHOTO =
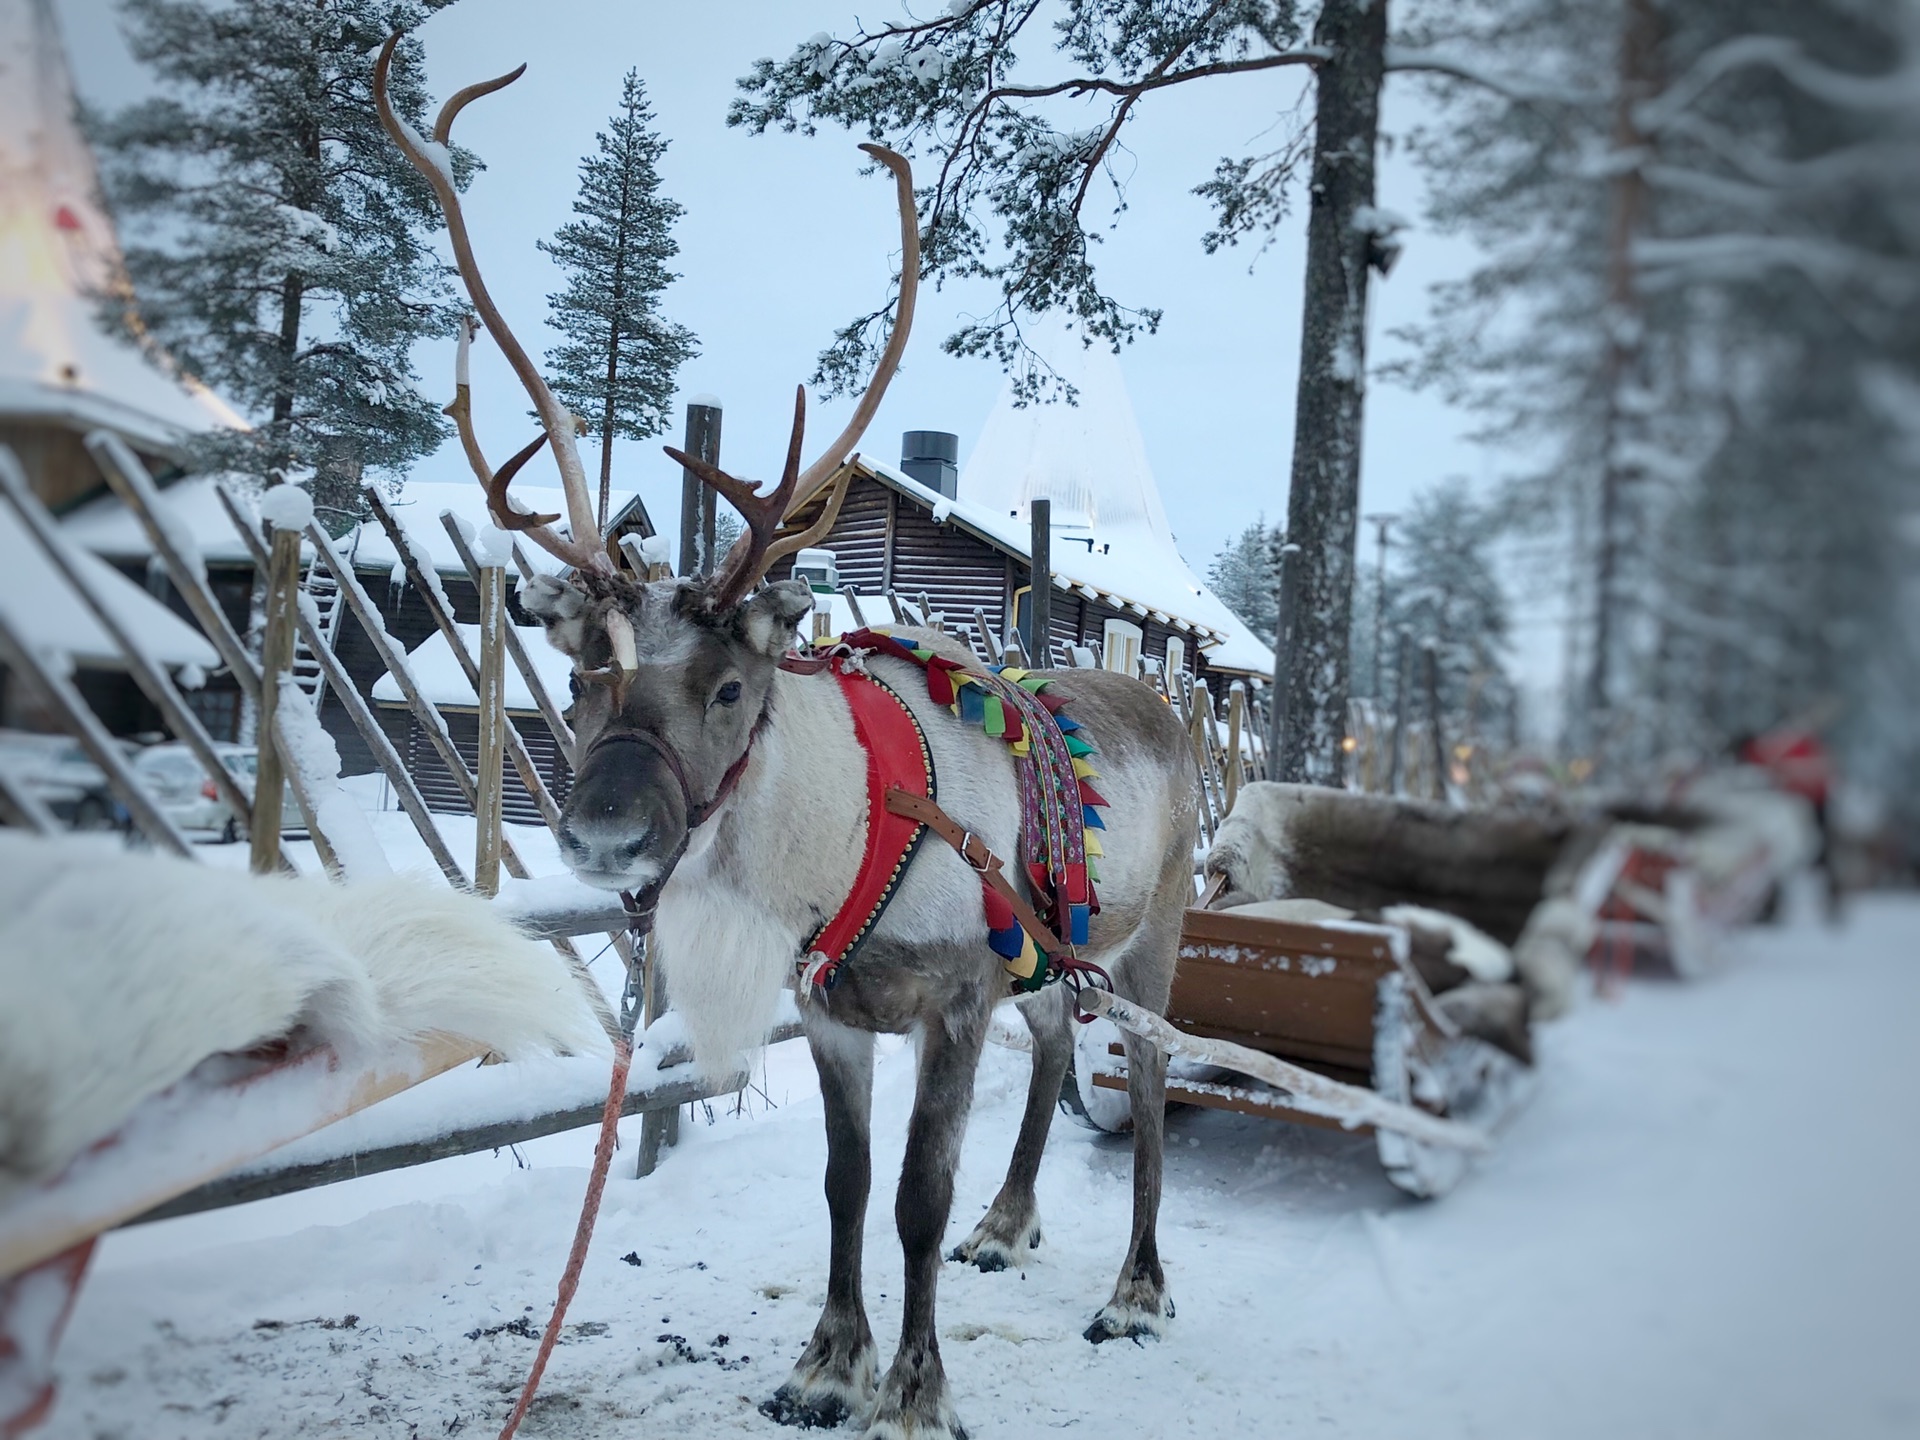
784,240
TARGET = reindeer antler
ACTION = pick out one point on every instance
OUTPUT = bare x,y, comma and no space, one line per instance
822,472
756,551
586,549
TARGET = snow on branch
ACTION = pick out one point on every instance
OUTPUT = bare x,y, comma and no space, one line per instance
1434,61
1896,89
1668,262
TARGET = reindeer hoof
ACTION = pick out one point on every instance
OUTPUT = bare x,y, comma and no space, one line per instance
789,1407
997,1245
1130,1322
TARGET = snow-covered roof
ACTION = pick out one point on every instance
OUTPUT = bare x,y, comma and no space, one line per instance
1111,540
40,603
106,527
443,682
57,251
418,508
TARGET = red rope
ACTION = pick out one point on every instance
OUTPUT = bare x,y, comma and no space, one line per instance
582,1234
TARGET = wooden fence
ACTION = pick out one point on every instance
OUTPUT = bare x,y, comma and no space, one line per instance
555,910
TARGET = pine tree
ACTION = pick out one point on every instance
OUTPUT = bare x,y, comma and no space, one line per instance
1444,588
1016,168
618,362
278,241
1722,209
1243,575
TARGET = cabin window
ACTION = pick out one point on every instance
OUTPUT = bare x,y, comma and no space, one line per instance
1121,651
1176,655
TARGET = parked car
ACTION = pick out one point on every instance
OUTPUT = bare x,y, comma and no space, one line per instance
173,775
57,771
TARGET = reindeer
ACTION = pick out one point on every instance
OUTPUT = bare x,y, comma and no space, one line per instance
727,795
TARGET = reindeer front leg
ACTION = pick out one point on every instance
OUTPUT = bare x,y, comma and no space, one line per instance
834,1378
913,1403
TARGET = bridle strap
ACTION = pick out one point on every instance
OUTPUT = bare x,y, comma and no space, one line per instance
640,907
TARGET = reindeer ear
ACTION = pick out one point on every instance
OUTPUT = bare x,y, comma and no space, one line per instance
767,620
561,608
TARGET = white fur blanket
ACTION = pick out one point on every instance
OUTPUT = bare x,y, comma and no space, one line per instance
121,972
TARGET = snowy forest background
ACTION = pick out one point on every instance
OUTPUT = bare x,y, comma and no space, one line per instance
1686,336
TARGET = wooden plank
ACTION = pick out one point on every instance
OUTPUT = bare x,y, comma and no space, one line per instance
153,681
167,1148
1310,1091
1266,1104
493,722
22,809
263,1184
276,659
1236,720
19,653
137,492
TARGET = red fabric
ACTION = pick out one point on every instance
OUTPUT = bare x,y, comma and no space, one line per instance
894,757
1797,761
30,1332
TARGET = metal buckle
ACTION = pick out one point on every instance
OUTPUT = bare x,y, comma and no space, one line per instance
982,865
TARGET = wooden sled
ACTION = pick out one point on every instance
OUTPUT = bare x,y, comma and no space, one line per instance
1324,1024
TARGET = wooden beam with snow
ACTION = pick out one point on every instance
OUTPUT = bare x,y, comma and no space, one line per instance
1311,1093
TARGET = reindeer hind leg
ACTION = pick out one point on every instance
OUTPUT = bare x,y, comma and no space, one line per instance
1143,973
1011,1227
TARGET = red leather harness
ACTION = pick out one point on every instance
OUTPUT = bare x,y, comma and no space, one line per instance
897,759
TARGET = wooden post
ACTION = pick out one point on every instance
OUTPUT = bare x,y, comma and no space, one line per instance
703,443
493,723
1430,666
516,651
1236,712
305,621
276,661
995,655
1402,689
1039,631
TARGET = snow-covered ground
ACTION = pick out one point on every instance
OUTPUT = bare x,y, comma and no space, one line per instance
1703,1226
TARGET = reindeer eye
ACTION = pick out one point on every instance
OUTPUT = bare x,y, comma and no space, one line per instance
728,693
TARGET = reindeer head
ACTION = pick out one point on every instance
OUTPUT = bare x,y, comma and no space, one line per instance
672,678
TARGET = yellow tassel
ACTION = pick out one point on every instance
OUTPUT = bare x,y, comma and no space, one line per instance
1083,769
1022,747
1093,843
1016,676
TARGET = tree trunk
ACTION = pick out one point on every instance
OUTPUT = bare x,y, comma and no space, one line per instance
1324,501
292,295
1619,471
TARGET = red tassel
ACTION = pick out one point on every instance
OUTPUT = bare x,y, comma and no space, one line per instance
1053,703
939,683
1091,796
1076,885
999,912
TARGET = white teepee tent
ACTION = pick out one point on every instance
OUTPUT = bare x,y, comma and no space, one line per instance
1087,458
59,261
